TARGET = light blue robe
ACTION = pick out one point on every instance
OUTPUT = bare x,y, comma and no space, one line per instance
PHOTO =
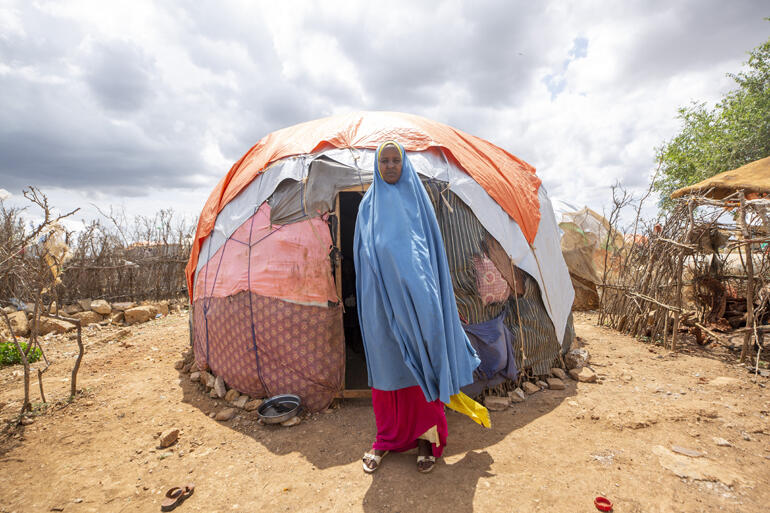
406,304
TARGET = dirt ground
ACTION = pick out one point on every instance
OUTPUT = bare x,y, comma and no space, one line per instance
554,452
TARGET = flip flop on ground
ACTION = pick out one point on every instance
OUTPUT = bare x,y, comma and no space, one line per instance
176,496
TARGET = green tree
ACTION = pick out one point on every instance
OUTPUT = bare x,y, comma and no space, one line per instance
735,132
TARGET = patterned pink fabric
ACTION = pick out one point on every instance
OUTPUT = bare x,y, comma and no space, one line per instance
403,415
286,261
490,283
300,349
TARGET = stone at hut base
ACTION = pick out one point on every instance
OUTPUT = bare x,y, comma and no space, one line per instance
576,358
213,394
85,304
494,403
168,438
179,365
117,317
559,373
232,395
219,387
291,422
583,374
195,376
225,415
530,388
542,384
555,384
517,396
101,307
207,379
252,405
241,401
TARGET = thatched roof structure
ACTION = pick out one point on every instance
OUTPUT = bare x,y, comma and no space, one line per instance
754,177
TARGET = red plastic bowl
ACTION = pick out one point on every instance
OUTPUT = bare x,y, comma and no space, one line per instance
603,504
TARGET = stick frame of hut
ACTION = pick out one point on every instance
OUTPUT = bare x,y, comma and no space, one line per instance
676,274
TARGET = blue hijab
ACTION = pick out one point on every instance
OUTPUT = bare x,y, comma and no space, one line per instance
406,304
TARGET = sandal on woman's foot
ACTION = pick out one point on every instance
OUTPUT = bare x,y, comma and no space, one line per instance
425,463
370,457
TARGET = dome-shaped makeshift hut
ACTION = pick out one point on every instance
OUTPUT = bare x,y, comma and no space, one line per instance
271,276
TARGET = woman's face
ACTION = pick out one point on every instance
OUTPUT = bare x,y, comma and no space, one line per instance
390,164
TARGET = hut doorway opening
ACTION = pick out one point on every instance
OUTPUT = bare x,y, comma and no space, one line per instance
356,377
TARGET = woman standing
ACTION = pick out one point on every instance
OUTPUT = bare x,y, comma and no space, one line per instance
417,353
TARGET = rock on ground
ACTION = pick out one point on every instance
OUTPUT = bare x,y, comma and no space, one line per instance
494,403
576,358
225,415
219,387
48,325
530,388
162,307
85,304
122,307
252,405
231,395
101,307
555,383
19,323
138,314
207,379
168,438
88,317
559,373
517,396
117,317
71,309
291,422
583,374
241,401
195,376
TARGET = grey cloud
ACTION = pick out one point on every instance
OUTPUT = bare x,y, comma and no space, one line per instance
688,36
488,50
120,75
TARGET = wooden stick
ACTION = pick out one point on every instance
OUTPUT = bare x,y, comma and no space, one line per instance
750,277
678,244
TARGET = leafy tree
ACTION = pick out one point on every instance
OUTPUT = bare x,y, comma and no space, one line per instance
735,132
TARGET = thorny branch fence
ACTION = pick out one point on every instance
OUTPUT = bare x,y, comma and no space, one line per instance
703,268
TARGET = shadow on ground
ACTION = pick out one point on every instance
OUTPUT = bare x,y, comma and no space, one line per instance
348,428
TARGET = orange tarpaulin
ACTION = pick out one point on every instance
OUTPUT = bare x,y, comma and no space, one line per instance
511,182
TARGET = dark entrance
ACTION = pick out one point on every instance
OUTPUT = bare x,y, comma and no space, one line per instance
356,377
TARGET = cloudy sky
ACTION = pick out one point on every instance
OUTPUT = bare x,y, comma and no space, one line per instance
146,105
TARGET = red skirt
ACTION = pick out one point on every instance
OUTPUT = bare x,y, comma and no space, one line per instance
402,416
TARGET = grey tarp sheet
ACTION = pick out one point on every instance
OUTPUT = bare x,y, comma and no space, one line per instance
294,200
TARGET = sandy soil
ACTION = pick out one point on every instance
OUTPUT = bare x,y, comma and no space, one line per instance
555,452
